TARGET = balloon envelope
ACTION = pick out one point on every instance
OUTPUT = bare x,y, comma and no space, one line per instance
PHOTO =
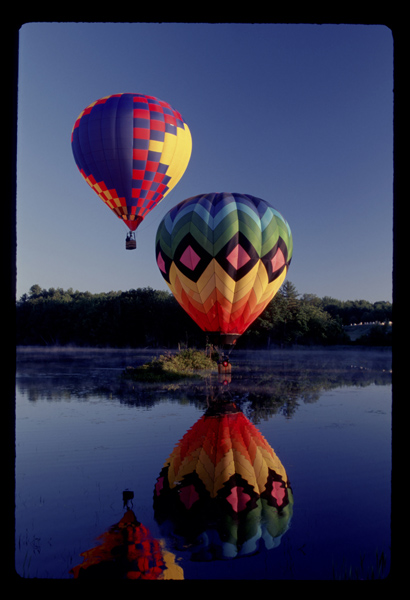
132,150
224,256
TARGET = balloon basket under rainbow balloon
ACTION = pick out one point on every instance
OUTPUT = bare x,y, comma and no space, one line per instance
220,340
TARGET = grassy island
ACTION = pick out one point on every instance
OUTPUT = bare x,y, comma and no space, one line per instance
185,364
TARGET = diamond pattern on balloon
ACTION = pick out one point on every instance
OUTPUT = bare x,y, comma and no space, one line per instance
278,261
188,495
190,258
238,257
161,263
238,499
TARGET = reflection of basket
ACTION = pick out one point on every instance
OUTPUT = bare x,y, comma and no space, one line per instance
130,244
224,367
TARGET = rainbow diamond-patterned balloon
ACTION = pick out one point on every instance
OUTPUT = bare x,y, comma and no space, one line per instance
224,256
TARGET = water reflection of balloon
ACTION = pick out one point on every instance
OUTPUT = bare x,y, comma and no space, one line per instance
223,492
132,150
128,551
224,256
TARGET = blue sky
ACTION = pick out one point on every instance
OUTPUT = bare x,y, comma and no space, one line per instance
299,115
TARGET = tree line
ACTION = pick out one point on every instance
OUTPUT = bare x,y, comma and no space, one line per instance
146,317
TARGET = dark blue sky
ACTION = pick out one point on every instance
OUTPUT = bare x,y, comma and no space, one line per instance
299,115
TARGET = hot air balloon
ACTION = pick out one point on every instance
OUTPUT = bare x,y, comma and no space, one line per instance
132,150
223,493
224,256
128,551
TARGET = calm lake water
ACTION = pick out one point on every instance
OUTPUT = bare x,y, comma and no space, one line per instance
84,436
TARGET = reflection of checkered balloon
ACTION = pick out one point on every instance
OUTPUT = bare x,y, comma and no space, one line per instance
132,150
224,256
